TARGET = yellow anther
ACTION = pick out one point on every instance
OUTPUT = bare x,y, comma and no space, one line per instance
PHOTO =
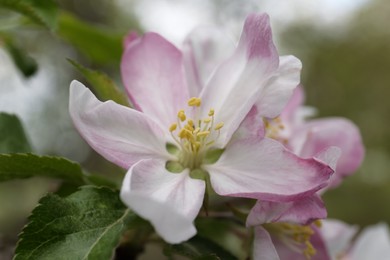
203,133
194,102
184,134
190,122
207,120
197,130
219,126
189,127
318,223
309,251
211,112
172,127
181,115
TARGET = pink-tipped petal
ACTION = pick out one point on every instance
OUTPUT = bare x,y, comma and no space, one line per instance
293,105
238,82
263,169
251,127
340,132
263,247
130,38
204,49
279,89
170,201
120,134
153,74
329,156
302,211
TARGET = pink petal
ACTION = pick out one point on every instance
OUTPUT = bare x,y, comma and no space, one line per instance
264,169
302,211
238,82
170,201
153,74
130,38
263,247
120,134
251,127
294,104
204,49
340,132
279,89
329,156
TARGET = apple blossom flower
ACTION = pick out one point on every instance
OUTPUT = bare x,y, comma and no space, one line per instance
330,240
179,137
206,47
288,230
307,138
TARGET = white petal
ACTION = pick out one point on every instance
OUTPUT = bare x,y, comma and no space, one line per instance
263,247
279,89
337,236
372,243
237,83
264,169
170,201
204,49
120,134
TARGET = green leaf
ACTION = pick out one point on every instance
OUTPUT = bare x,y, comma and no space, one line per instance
27,65
101,46
18,166
104,87
199,248
42,12
220,231
12,136
86,225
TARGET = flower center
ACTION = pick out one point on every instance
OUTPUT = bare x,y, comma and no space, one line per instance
296,237
194,136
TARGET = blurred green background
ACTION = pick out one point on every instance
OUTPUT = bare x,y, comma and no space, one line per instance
344,47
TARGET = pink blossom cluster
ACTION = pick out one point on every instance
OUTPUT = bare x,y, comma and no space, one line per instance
224,117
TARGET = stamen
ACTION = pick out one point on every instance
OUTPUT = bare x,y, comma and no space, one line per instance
194,102
296,237
172,127
190,122
309,251
211,112
207,120
203,133
181,115
318,223
219,126
193,135
185,134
